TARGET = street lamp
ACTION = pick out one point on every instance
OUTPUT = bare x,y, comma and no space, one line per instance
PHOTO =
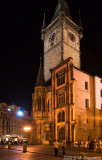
27,129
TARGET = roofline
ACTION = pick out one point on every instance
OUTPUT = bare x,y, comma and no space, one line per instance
84,71
59,65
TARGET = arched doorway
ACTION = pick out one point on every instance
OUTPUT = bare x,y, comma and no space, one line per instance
61,133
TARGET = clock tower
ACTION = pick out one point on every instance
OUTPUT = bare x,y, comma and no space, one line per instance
61,39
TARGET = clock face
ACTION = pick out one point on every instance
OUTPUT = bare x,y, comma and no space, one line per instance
71,36
52,37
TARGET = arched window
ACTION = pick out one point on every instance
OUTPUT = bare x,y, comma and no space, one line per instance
63,116
59,117
60,100
72,114
39,104
43,104
48,105
35,105
71,70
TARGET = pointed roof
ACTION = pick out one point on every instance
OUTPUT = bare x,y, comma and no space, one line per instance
62,7
44,24
40,77
79,21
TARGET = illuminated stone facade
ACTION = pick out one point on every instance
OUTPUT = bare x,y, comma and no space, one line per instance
68,103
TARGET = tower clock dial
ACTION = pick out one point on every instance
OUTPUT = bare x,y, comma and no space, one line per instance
52,37
71,36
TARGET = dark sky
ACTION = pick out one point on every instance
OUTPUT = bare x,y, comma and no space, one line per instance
20,44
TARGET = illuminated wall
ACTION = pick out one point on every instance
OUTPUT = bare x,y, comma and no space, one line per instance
98,88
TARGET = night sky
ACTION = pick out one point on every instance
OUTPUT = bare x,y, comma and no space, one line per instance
21,44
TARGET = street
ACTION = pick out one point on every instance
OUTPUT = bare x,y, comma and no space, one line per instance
46,152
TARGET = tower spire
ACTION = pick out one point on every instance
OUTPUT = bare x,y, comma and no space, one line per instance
79,20
44,24
40,77
62,7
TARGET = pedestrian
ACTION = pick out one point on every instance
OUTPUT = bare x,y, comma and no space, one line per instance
95,145
63,146
99,143
56,144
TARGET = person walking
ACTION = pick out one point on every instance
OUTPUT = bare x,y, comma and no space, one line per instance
99,143
56,144
63,146
95,145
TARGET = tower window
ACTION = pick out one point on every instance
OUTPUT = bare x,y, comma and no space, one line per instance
87,103
48,105
71,90
61,117
35,104
101,93
61,100
86,85
101,107
43,104
72,114
39,104
71,70
61,79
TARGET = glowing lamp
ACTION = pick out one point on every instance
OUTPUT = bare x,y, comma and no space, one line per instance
27,128
20,113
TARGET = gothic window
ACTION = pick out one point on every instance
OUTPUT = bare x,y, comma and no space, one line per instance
63,116
60,78
71,90
86,85
71,71
48,105
101,107
35,104
43,104
61,100
72,114
39,104
101,93
87,103
59,117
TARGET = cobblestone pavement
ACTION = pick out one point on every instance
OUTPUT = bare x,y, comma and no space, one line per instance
45,152
18,155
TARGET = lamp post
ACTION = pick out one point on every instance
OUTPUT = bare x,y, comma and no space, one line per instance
27,129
